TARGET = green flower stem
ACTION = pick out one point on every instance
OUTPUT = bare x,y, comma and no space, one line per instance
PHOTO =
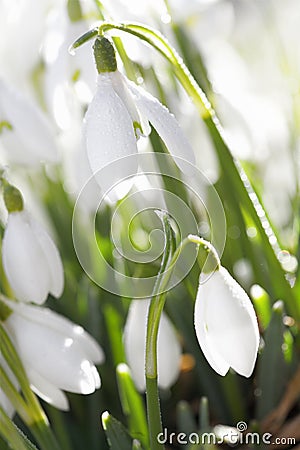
15,397
158,300
13,436
153,413
212,263
154,315
44,435
15,364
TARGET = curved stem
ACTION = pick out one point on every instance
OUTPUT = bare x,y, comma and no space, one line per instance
154,316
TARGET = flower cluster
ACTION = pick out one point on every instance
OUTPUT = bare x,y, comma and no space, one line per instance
96,122
56,354
225,320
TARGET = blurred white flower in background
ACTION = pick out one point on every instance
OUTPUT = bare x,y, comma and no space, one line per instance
26,133
30,259
150,11
22,27
168,347
57,354
226,324
69,81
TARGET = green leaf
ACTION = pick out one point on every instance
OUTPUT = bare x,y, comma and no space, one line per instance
132,405
185,418
203,414
271,366
117,436
193,58
262,305
14,437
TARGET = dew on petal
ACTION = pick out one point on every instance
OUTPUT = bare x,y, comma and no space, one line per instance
68,342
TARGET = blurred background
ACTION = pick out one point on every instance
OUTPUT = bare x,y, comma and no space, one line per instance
245,56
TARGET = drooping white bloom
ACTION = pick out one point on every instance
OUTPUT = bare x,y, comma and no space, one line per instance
225,323
31,260
168,348
57,354
118,115
26,133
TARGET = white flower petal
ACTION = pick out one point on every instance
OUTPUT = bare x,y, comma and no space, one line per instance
121,88
30,126
56,357
23,260
52,258
167,127
50,319
91,347
230,321
85,185
212,355
47,391
89,381
168,353
109,135
135,341
97,379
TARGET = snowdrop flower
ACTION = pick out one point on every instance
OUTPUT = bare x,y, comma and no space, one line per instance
118,115
25,132
225,323
168,348
57,354
30,258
